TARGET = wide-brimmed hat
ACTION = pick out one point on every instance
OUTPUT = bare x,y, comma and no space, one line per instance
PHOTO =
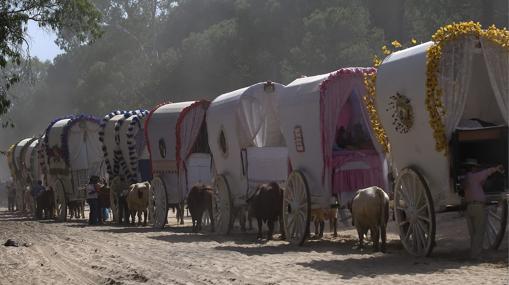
470,162
94,179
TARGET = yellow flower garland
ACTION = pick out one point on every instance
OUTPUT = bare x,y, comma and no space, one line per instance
442,37
369,100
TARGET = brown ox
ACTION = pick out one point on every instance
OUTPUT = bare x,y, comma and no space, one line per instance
137,201
370,211
319,216
76,209
199,201
46,204
266,205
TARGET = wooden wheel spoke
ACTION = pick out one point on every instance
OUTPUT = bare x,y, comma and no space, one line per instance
401,208
494,214
405,197
409,190
490,234
421,237
424,218
422,208
491,227
407,234
403,223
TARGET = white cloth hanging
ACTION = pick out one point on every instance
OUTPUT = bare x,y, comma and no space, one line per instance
497,64
455,71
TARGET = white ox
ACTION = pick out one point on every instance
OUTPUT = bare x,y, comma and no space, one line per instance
370,211
137,201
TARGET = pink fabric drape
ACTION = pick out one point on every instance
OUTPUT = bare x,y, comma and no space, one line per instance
188,128
345,115
334,92
351,180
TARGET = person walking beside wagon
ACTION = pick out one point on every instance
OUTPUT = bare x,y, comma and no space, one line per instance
92,200
11,196
36,191
475,198
119,187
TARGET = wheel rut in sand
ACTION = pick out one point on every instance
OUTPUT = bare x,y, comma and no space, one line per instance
73,253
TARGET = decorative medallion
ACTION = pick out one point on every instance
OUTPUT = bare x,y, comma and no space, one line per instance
402,113
269,87
162,148
298,139
223,144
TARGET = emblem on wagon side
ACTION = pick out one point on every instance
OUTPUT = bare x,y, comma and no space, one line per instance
223,144
298,139
162,147
402,113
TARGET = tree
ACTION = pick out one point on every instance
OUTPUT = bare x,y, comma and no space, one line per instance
75,22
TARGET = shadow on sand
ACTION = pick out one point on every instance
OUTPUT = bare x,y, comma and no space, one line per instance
15,216
341,245
398,263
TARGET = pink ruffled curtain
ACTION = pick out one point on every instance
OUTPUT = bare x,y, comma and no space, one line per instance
334,93
351,180
189,128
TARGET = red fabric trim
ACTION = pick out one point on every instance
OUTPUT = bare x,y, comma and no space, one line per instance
201,103
145,131
337,75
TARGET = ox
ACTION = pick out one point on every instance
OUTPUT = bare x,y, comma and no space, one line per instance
266,205
370,211
199,201
76,209
319,216
137,201
46,204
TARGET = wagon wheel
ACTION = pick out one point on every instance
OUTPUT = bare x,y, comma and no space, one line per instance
60,201
158,205
296,208
222,205
415,214
496,224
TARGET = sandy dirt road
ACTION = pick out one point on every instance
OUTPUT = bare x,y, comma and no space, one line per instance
74,253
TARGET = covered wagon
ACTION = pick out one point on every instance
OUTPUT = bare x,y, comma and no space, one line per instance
176,135
247,147
331,145
438,105
124,149
32,170
72,154
18,171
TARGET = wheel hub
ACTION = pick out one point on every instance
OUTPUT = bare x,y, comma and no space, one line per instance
412,215
293,207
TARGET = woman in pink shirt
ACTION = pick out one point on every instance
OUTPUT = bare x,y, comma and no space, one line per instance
475,199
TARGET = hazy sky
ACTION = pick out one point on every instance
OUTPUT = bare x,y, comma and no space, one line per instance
42,42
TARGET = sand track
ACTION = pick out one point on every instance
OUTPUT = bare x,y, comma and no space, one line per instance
74,253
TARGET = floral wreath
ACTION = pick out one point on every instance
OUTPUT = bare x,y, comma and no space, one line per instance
402,113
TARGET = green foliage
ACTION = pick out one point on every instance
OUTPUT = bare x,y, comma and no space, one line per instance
75,21
154,51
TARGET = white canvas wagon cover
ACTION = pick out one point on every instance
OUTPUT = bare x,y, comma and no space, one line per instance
113,137
133,146
31,161
311,110
72,143
246,119
19,151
